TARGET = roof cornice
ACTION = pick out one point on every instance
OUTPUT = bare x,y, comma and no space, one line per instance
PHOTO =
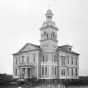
44,27
49,39
59,48
25,51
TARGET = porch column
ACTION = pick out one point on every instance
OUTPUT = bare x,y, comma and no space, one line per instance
19,72
26,72
32,72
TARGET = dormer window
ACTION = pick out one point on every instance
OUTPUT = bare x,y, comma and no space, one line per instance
69,49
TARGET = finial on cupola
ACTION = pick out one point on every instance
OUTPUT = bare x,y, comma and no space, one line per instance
49,6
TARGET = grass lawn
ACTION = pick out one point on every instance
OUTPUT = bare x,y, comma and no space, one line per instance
77,87
8,87
25,87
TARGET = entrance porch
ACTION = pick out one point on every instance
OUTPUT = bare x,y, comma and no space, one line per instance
26,72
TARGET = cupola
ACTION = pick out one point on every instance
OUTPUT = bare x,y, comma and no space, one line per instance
49,15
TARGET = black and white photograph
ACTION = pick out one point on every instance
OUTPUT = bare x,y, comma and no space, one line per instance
43,43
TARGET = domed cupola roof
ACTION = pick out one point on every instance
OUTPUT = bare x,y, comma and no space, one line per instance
49,15
49,12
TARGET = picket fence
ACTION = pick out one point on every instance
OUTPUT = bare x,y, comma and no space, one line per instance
45,86
51,86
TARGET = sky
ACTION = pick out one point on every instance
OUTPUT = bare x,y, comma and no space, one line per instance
20,21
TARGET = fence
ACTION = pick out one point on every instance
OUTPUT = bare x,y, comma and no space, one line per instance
44,86
51,86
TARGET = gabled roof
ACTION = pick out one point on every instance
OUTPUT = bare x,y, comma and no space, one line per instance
63,49
28,44
38,47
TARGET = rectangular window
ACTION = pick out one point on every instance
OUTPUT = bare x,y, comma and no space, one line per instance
16,60
20,71
29,71
72,60
76,72
46,57
45,70
67,59
19,60
42,70
52,70
63,61
22,59
72,72
23,71
52,58
43,59
55,58
63,72
75,61
68,71
33,58
55,70
28,59
15,71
